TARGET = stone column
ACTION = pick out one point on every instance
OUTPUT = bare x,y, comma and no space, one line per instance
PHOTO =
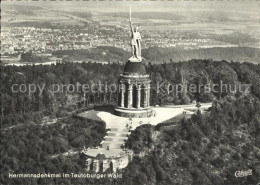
122,104
105,165
87,164
148,95
96,165
145,96
138,98
130,95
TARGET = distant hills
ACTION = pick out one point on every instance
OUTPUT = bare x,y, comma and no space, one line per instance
239,54
205,16
22,10
148,15
160,55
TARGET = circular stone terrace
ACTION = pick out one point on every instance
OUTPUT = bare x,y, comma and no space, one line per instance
119,128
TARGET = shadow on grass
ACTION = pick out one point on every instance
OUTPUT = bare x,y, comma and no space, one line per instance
105,108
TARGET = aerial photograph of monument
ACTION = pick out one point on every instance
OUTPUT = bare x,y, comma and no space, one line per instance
130,92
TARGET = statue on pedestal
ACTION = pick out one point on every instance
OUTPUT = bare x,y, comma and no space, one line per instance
135,41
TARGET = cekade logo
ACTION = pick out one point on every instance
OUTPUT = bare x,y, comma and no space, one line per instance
243,173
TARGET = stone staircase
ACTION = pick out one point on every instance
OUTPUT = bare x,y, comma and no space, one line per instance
115,138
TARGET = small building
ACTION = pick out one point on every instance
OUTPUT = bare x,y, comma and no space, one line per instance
101,160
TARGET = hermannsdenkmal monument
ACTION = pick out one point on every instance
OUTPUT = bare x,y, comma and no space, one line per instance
133,102
133,110
134,83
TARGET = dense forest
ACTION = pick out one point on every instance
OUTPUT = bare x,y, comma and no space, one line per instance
46,148
21,106
100,53
205,149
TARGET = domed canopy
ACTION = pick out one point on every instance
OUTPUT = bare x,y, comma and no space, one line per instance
134,68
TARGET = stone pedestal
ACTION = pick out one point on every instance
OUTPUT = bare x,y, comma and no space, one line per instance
134,98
